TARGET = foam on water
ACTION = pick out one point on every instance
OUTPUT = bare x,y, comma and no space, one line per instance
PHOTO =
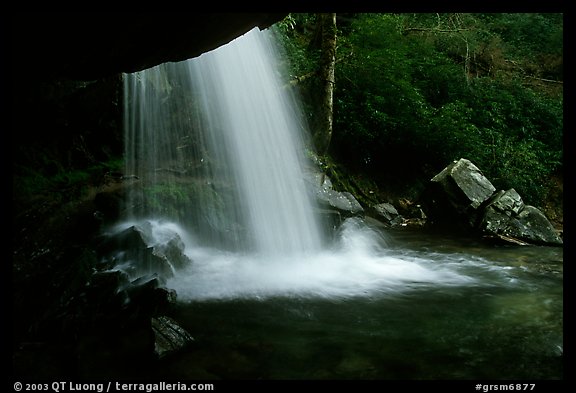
357,264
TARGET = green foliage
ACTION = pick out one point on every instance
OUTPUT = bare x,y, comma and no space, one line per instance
421,90
70,179
292,34
178,199
28,184
59,183
165,199
526,167
528,35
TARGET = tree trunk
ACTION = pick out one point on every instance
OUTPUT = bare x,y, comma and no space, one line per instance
323,126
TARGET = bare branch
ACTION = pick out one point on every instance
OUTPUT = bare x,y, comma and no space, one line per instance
545,80
302,78
432,30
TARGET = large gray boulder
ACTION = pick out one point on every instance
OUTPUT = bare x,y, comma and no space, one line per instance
461,197
508,218
456,195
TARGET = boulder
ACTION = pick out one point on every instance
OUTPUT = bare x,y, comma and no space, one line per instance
135,251
169,337
387,213
460,197
456,195
341,201
508,218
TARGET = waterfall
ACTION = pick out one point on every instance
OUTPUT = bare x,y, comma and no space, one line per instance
218,150
219,145
255,128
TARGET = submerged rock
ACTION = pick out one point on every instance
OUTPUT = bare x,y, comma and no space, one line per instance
169,337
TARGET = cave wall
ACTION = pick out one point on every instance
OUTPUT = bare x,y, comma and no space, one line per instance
89,46
64,78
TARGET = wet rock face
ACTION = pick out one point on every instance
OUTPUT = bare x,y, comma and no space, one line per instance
322,191
136,251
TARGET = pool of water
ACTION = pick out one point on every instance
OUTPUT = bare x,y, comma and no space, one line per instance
417,307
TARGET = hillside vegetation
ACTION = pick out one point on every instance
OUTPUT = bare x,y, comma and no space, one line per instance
415,91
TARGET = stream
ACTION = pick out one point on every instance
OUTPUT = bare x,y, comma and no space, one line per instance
500,317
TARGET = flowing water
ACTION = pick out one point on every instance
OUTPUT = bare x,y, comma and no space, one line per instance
222,142
374,305
218,147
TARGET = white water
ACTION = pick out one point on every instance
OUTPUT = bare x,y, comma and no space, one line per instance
253,125
250,125
356,265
